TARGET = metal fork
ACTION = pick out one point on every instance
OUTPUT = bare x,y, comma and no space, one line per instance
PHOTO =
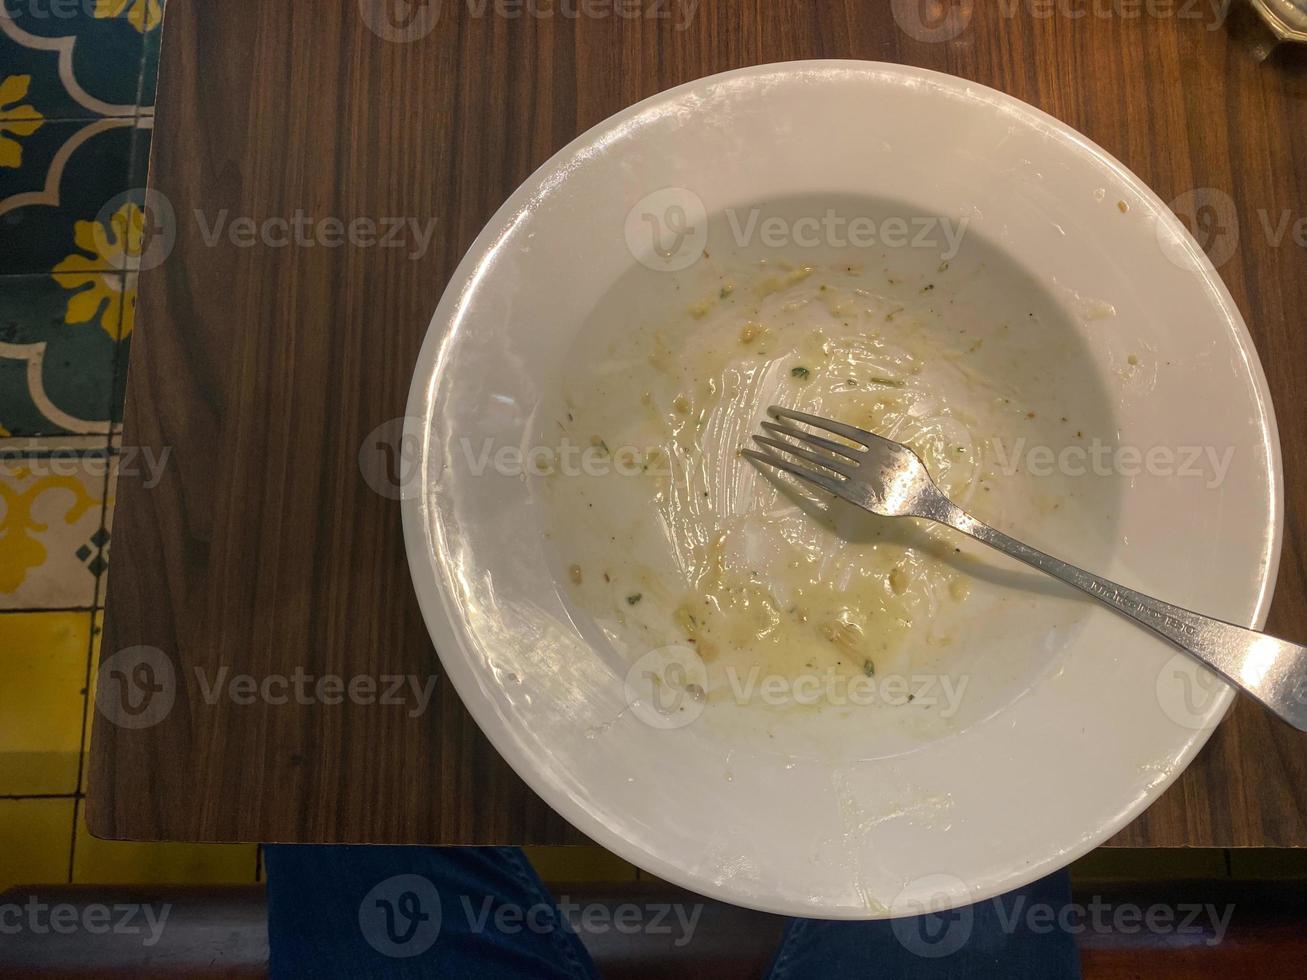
889,479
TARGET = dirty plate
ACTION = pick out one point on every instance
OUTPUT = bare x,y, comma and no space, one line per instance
1056,330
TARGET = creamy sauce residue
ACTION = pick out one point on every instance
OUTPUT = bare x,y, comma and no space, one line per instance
761,578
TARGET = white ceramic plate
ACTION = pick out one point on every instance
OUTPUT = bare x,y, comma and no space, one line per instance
1077,719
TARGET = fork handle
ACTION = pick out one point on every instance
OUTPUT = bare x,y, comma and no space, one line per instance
1271,670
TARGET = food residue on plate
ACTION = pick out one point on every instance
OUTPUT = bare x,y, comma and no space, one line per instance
761,577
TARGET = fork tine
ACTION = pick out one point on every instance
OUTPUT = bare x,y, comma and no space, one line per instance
820,459
825,482
848,452
867,439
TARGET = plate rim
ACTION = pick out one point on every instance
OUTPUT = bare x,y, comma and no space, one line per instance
435,605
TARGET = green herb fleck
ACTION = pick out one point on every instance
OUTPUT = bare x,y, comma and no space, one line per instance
632,599
799,372
887,382
869,668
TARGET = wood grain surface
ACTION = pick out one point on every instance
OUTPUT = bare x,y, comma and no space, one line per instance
263,550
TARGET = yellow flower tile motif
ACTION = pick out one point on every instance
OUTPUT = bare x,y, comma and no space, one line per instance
98,289
34,841
41,700
49,512
16,120
144,15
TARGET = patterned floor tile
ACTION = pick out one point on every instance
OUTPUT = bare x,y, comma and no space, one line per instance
150,68
19,119
57,363
51,537
62,205
137,262
41,700
98,861
84,57
141,139
34,839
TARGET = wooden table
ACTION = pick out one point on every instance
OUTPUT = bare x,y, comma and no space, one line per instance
263,550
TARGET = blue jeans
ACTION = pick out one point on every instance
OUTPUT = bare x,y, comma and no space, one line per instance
359,911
